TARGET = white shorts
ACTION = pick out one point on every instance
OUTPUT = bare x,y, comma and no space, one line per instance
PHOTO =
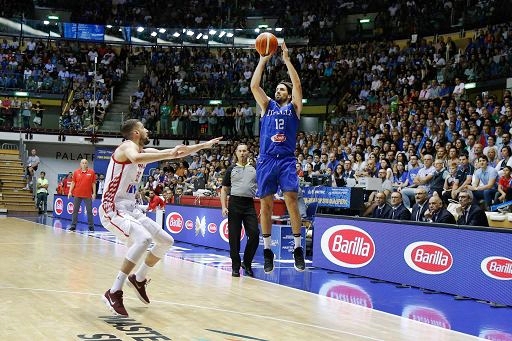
121,222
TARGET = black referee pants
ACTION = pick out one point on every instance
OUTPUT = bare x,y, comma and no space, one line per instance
241,211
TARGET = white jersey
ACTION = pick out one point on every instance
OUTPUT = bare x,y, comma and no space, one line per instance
121,185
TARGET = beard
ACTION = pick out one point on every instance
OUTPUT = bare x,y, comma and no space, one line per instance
145,141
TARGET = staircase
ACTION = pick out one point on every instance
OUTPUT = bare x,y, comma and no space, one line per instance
13,198
121,103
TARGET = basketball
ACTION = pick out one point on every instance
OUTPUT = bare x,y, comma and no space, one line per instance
266,44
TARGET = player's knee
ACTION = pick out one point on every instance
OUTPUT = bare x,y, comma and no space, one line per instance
165,239
163,243
146,241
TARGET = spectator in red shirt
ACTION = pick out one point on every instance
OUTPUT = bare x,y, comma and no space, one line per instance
155,202
65,184
505,185
83,188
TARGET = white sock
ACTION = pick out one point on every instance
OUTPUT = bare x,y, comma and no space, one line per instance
266,242
140,275
297,241
118,282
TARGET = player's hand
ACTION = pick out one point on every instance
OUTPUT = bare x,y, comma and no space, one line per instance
225,212
177,151
265,58
286,57
212,142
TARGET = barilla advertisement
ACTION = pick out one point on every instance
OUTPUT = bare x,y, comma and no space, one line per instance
472,263
63,209
199,225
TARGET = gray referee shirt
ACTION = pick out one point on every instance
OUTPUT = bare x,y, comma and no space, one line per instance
242,180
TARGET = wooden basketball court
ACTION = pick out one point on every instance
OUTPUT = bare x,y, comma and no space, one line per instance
52,281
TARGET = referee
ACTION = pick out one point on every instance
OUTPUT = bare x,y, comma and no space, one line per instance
240,180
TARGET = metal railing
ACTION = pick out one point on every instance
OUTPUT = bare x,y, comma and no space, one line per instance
9,146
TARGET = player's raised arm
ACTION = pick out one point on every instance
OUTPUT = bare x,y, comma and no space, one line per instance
259,94
294,77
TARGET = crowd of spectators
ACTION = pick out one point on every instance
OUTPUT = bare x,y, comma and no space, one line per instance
360,75
92,93
400,109
62,67
413,125
314,20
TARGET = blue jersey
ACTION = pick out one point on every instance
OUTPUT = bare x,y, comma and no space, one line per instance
278,130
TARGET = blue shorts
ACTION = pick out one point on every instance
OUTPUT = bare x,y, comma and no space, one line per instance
273,173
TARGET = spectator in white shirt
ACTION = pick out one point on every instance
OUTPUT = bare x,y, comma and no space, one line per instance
458,90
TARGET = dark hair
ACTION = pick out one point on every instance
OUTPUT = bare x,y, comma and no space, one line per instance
509,150
360,154
288,85
127,127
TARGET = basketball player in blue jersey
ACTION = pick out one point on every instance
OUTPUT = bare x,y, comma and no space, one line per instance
276,163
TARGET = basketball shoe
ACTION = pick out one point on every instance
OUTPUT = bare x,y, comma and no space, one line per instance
268,265
139,287
114,302
298,256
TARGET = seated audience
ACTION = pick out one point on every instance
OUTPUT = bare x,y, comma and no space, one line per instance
436,213
470,214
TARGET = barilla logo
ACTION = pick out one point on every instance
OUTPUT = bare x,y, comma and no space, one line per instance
278,138
95,211
58,206
348,246
497,267
495,335
174,222
428,258
426,315
346,292
70,207
189,224
224,231
212,227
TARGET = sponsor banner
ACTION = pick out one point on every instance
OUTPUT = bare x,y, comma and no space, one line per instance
63,209
282,242
102,157
199,225
338,197
472,263
206,226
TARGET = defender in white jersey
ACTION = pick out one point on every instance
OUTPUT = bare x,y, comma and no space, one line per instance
120,215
